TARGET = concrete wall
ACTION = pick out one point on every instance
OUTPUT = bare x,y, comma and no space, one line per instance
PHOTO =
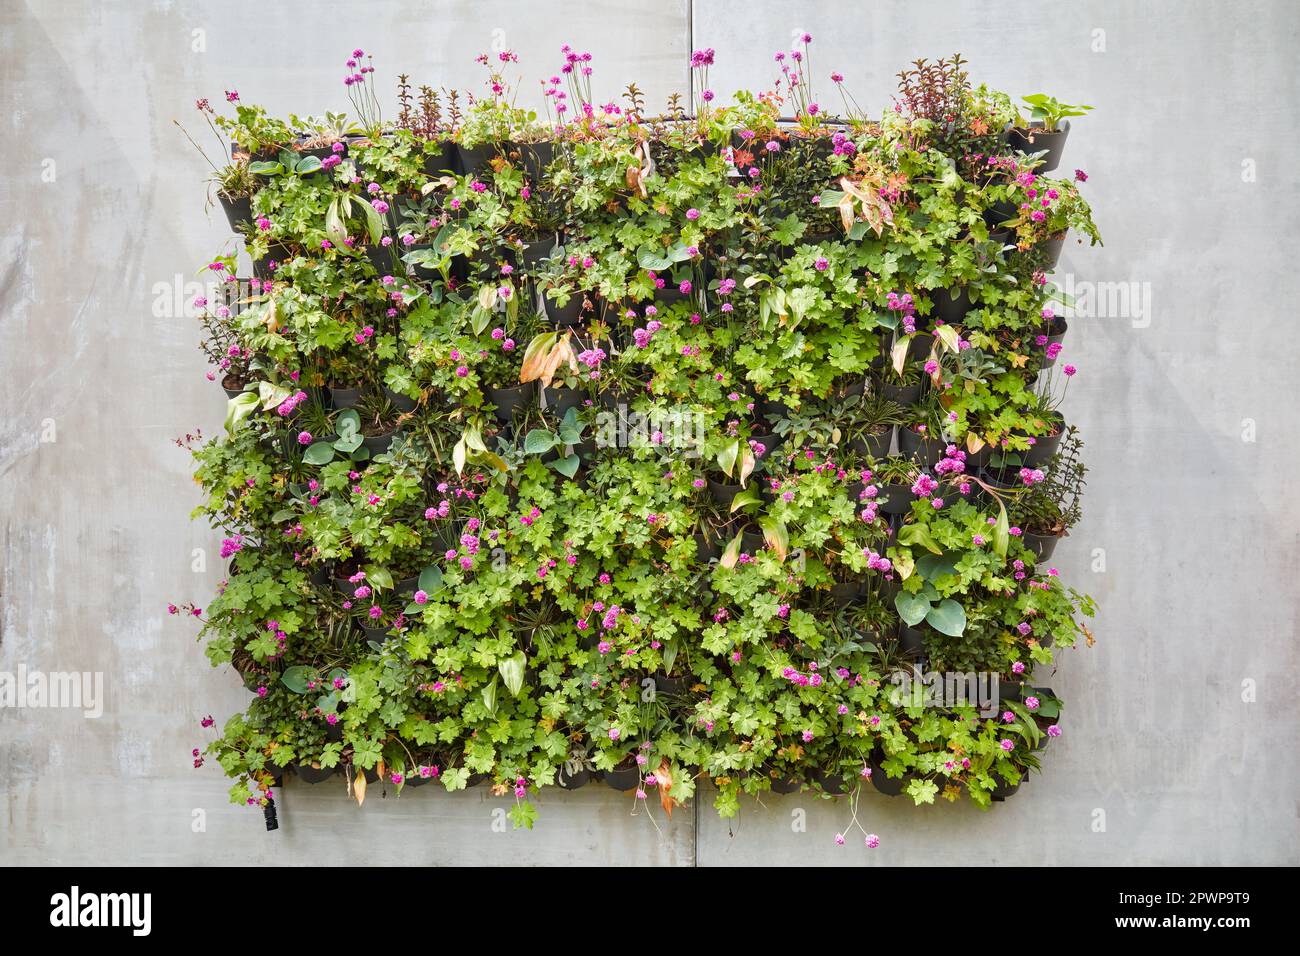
1189,541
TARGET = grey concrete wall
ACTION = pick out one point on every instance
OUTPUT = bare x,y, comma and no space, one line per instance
1179,721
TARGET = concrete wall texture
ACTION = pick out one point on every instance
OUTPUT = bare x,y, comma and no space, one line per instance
1179,721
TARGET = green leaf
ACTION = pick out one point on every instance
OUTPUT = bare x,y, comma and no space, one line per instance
379,578
348,423
238,409
512,672
947,617
320,453
490,696
1001,532
653,260
935,566
539,441
374,224
911,534
306,165
430,580
522,815
295,678
568,466
265,168
912,608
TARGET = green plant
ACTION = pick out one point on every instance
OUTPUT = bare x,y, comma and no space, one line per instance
489,600
1049,111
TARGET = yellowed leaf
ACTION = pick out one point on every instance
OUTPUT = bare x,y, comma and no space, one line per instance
664,776
359,788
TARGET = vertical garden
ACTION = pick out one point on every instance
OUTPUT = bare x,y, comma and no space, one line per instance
654,446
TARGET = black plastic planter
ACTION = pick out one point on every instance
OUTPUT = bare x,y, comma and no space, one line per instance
951,308
832,783
567,315
344,396
1051,250
895,499
911,640
665,684
624,778
706,549
773,410
1002,789
1042,545
901,394
378,444
474,160
771,442
922,450
560,400
230,391
873,446
309,774
399,401
535,157
276,255
786,785
567,781
427,273
889,786
1036,140
849,593
446,161
529,254
239,211
723,492
1043,448
386,260
670,294
512,403
995,216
